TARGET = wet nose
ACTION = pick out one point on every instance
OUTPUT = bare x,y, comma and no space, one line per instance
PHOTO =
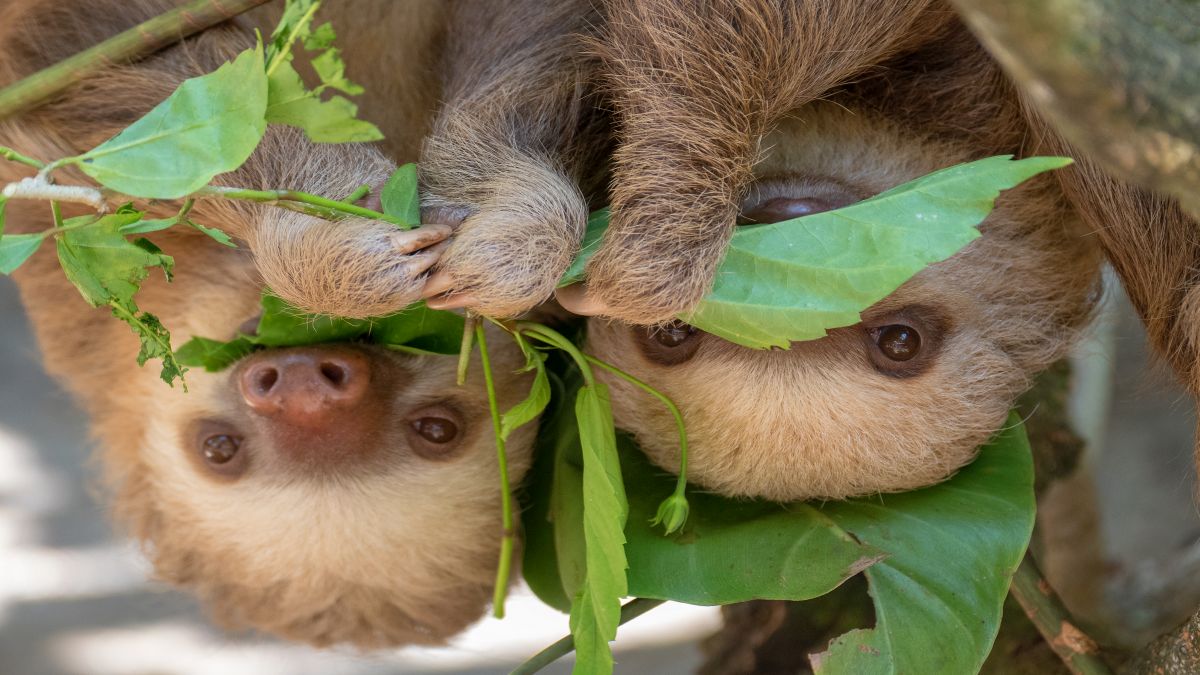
305,387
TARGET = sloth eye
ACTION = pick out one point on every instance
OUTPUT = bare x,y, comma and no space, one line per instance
905,343
773,200
898,342
435,432
219,448
668,345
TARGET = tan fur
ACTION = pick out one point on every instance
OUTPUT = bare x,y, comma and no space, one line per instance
402,550
819,420
517,137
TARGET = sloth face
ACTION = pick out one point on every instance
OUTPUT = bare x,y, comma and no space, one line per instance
334,493
902,399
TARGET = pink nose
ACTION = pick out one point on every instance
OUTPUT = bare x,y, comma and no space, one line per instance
308,387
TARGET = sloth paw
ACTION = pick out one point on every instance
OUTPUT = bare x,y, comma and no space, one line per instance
353,268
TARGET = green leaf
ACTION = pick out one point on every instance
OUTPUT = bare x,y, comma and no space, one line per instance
213,355
3,203
15,249
154,338
102,263
953,549
429,330
213,233
332,121
596,609
792,280
209,125
282,325
331,69
939,560
527,410
293,25
148,226
399,195
597,224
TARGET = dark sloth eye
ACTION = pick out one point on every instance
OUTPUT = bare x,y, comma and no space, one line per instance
898,342
219,448
668,345
773,200
436,429
436,432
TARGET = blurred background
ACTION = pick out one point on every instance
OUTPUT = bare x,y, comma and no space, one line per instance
74,599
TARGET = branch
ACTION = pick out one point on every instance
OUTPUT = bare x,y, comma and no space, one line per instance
141,40
629,611
1044,609
1119,79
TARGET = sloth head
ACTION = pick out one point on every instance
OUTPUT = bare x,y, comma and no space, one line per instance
902,399
328,494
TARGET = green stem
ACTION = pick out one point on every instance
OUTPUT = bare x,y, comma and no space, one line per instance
464,351
143,39
1077,651
683,444
14,156
278,196
555,339
629,611
56,211
506,543
362,191
291,39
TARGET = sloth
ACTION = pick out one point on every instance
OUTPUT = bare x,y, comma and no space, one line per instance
338,493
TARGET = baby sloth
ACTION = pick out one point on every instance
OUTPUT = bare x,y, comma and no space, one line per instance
902,399
332,493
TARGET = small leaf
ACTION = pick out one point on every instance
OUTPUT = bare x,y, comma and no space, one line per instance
596,609
417,326
293,25
216,235
320,38
282,325
213,355
154,338
209,125
597,224
331,69
15,249
527,410
399,195
148,226
795,279
332,121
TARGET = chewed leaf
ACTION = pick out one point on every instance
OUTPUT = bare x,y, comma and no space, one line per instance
209,125
102,264
154,338
15,249
332,121
795,279
399,195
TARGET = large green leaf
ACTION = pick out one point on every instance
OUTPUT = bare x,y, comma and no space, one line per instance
793,280
938,560
209,125
416,328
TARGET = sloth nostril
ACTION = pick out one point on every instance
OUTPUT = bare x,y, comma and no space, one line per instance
265,379
334,373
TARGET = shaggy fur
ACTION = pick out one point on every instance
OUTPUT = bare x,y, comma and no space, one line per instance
833,425
402,550
517,136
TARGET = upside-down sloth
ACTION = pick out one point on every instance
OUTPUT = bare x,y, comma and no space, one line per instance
336,493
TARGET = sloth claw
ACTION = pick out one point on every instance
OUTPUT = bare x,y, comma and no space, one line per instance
410,241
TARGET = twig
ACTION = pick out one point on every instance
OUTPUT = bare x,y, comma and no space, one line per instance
629,611
1078,651
143,39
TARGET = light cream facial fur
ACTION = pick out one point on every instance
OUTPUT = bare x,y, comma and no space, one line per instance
820,420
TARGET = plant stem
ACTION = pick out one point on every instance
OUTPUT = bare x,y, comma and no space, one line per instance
134,43
555,339
683,444
629,611
1077,651
291,39
362,191
56,212
506,543
14,156
464,351
277,196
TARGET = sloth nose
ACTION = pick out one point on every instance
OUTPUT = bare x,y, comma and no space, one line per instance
307,388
